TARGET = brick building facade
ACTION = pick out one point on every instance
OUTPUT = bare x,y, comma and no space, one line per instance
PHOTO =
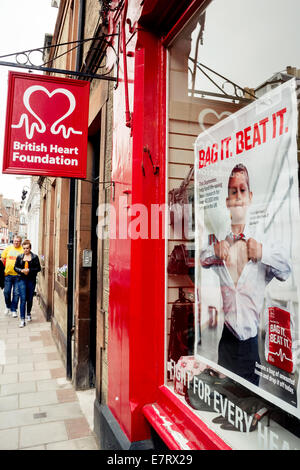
87,353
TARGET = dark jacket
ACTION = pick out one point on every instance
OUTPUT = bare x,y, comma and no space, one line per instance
33,265
2,268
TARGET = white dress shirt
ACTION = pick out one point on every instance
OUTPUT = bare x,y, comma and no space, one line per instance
243,301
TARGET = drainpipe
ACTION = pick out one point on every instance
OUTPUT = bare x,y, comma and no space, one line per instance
127,110
72,219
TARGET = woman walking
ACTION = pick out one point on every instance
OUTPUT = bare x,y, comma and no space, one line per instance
27,267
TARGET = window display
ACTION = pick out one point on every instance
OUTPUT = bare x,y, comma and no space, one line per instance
233,270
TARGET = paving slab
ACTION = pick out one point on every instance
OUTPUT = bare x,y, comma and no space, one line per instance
52,384
9,439
18,417
28,400
10,402
61,411
42,434
85,443
15,388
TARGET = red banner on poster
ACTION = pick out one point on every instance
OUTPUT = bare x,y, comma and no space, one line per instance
280,339
46,126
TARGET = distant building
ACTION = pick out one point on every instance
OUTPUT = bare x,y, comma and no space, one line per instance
23,226
3,222
276,80
12,209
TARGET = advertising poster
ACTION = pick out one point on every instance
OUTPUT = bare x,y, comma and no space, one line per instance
247,249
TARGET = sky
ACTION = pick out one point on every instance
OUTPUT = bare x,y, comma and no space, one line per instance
23,25
268,40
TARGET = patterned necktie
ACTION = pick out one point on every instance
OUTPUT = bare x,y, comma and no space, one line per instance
235,238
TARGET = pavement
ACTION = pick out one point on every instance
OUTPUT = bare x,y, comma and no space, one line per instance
39,407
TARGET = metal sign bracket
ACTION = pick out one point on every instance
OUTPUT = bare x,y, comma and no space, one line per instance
24,59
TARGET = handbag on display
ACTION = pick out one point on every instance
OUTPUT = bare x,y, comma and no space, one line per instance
213,382
182,333
186,368
179,261
179,200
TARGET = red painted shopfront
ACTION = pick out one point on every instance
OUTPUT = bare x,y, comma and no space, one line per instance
140,398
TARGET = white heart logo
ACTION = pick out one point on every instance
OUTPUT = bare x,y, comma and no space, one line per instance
40,126
206,111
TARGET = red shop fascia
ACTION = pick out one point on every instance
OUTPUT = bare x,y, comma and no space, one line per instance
138,401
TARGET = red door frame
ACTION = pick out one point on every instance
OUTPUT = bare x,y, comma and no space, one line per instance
136,348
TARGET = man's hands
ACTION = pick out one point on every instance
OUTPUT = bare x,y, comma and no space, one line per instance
222,250
254,250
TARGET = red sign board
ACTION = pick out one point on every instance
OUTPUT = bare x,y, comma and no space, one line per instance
280,339
46,126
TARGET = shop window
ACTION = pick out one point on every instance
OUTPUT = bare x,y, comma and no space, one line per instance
232,310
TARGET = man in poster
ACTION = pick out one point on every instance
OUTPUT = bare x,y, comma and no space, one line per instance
244,266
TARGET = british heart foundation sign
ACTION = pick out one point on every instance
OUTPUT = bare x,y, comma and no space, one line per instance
46,126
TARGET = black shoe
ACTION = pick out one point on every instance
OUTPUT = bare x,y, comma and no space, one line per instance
219,420
255,409
207,377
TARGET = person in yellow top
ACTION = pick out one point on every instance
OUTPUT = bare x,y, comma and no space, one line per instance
11,279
